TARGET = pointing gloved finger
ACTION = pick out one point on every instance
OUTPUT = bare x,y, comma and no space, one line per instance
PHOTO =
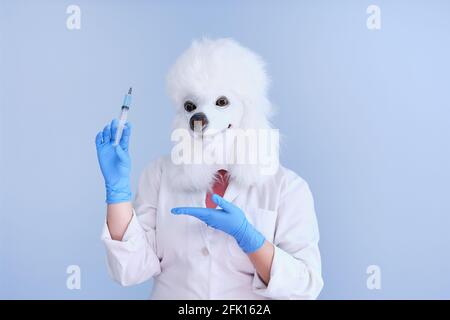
107,134
200,213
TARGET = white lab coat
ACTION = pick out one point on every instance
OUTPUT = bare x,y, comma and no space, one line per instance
189,260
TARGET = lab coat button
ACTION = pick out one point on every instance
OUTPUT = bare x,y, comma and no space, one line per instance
205,251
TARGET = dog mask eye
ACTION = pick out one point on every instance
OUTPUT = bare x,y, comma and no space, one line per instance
189,106
222,102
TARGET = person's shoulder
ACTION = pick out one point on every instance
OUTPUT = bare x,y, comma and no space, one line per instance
290,181
285,175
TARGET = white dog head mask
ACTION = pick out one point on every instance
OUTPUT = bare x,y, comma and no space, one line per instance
218,85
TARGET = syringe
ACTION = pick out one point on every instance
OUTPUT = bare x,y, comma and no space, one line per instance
123,116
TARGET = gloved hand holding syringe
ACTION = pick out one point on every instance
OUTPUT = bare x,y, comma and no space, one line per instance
113,156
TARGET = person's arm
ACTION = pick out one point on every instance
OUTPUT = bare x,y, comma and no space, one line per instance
262,260
129,232
289,268
296,269
115,165
118,218
130,245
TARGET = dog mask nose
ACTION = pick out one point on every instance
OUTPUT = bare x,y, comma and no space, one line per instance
198,121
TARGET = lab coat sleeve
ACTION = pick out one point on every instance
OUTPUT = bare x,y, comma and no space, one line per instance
296,266
134,260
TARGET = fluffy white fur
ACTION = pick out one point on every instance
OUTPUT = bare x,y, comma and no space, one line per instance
205,71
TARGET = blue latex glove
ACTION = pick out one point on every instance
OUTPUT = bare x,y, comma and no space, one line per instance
115,162
229,219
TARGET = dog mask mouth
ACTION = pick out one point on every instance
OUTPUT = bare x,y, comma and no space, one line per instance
203,132
210,133
199,124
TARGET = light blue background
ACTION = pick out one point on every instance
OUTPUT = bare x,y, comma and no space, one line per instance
365,117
